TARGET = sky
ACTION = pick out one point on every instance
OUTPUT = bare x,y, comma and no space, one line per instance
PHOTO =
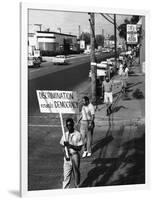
69,21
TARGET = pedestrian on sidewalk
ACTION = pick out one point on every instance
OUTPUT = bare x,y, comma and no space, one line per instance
124,77
120,67
107,88
126,71
74,142
87,125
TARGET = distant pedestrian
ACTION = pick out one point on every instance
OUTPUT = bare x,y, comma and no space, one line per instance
120,67
74,143
87,125
126,71
124,77
107,88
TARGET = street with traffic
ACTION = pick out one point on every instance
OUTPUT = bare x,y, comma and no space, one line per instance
86,100
118,151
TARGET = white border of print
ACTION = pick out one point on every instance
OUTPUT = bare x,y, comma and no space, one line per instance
24,104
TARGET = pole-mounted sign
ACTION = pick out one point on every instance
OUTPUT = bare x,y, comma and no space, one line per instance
132,36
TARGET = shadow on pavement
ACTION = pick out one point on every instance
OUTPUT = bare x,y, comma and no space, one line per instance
117,108
101,143
134,75
127,168
129,85
105,140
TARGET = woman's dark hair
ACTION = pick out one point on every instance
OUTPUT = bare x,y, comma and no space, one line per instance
86,98
70,120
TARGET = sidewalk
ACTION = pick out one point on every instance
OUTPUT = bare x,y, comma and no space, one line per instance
129,108
118,151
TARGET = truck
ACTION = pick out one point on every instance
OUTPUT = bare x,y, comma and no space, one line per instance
34,57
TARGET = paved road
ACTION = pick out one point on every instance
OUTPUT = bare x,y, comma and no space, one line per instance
118,157
74,60
49,67
59,77
118,150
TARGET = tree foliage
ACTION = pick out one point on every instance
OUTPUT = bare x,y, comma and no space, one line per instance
100,40
123,27
86,37
112,37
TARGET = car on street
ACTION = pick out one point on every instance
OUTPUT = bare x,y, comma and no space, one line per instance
102,70
106,50
87,51
112,66
34,61
34,57
60,59
111,61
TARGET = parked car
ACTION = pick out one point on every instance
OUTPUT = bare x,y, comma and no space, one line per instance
111,61
60,59
112,66
34,58
102,70
106,50
87,51
34,61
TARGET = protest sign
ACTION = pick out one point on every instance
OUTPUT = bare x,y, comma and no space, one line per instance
57,101
117,86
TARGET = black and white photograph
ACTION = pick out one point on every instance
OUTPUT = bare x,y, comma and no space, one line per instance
85,99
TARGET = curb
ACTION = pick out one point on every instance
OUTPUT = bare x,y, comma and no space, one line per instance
117,121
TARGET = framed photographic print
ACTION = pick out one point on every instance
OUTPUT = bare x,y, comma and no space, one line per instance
82,98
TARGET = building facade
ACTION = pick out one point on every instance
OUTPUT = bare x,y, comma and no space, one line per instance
52,41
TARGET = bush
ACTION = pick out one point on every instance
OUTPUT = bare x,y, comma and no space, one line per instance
138,94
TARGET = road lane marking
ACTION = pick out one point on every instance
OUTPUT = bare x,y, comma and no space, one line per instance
45,117
43,125
35,70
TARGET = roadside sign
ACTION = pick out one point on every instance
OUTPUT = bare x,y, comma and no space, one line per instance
36,53
132,37
82,44
117,86
57,101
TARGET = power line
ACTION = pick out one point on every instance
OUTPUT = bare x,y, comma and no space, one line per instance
109,16
112,22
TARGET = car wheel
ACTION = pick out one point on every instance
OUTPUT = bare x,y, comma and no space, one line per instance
38,60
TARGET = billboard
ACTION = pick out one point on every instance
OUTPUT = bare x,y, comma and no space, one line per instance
132,37
82,44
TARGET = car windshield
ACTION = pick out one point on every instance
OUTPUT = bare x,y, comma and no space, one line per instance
60,56
102,68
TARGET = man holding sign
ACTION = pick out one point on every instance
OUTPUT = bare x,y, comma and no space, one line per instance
65,102
73,141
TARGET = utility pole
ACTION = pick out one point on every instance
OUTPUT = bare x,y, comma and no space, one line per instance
79,29
115,39
92,57
113,21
